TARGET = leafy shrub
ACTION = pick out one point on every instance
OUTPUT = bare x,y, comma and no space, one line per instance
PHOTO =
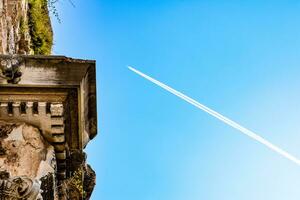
40,28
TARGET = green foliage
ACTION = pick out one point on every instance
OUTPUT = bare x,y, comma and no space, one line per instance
23,26
40,28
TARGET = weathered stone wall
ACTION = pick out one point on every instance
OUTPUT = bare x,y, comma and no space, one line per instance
25,151
27,163
14,31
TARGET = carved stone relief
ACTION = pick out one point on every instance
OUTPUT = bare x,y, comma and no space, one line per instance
10,69
19,188
27,159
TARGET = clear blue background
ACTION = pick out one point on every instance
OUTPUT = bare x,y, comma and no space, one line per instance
241,58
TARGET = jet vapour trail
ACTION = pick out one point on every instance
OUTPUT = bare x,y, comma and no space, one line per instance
224,119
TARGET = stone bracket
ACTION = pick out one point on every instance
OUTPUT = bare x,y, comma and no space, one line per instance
48,117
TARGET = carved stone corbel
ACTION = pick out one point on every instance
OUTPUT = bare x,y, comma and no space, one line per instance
56,97
10,69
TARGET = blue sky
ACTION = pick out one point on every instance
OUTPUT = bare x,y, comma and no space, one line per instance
241,58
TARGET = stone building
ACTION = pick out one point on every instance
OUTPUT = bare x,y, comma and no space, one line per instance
47,114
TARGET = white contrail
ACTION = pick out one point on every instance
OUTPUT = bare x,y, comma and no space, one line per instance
224,119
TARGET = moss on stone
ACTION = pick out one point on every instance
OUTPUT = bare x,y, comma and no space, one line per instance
77,181
40,28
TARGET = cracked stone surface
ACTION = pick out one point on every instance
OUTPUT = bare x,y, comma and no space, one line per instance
26,152
26,159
